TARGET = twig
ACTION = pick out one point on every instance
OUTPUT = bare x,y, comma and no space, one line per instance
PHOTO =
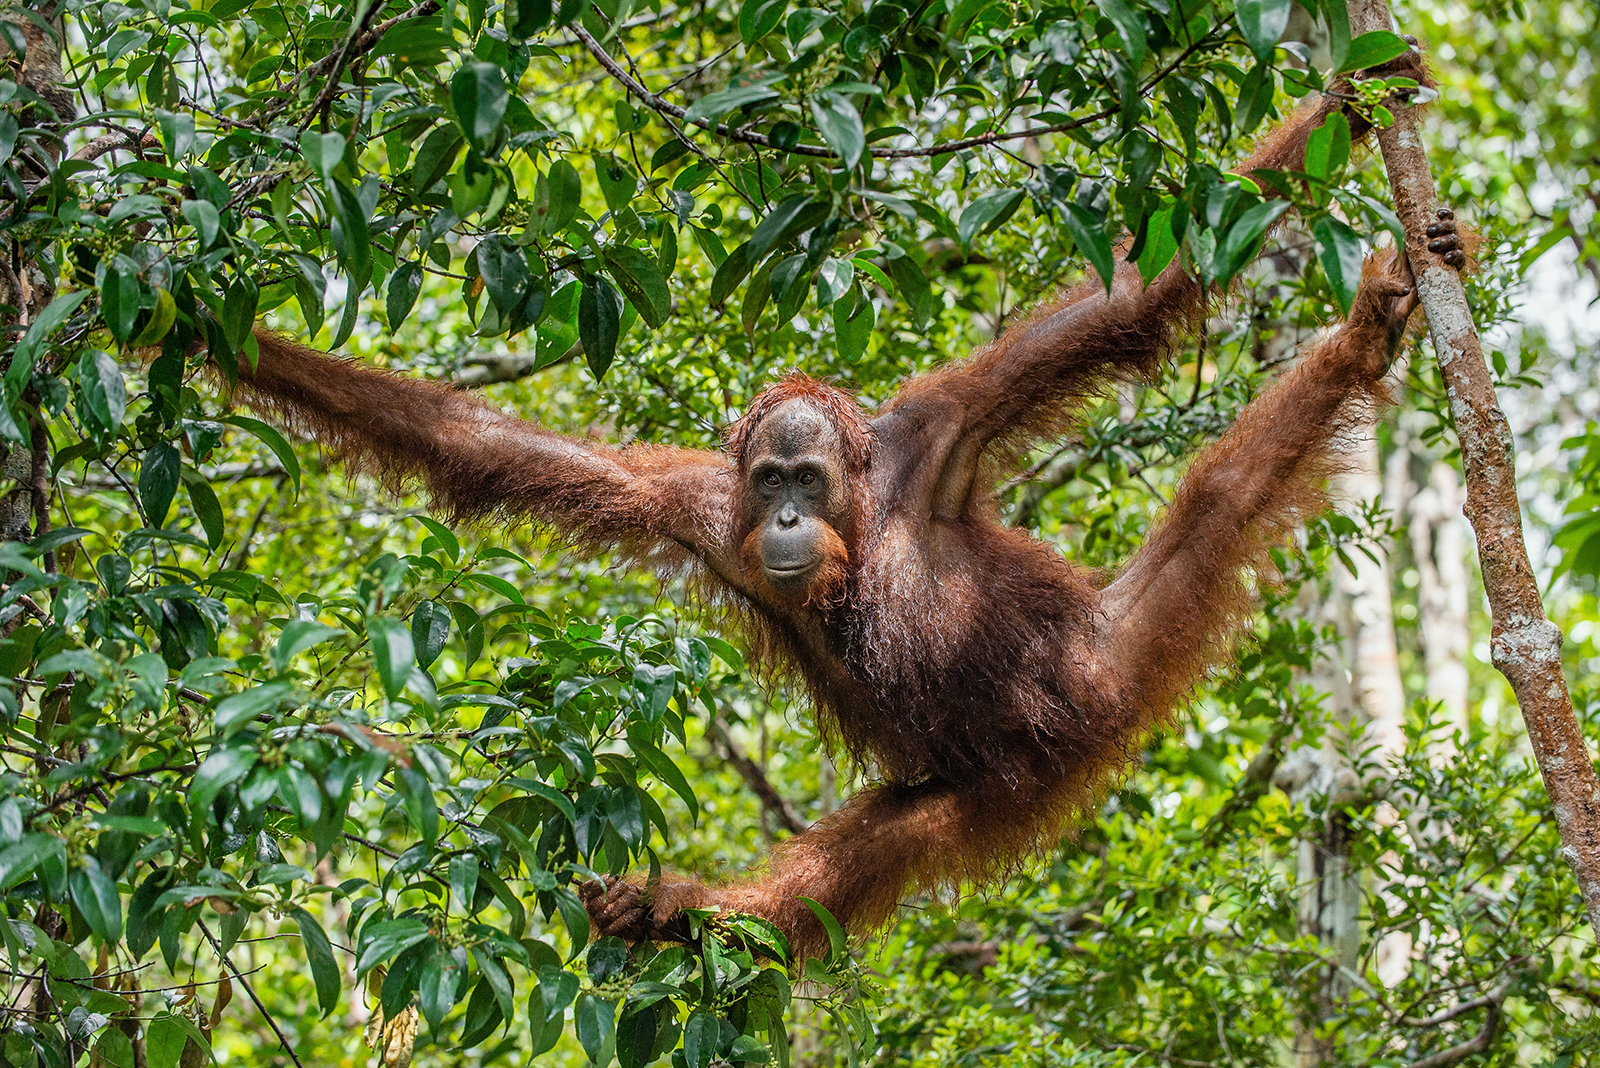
756,779
345,54
1476,1044
250,990
750,137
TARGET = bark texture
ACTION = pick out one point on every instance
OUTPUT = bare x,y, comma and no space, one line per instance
1526,646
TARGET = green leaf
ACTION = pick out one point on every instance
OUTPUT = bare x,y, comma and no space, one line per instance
441,978
834,278
840,124
1130,26
853,319
158,481
206,220
1339,252
1371,49
297,636
639,277
730,272
392,654
1338,18
1090,237
246,705
700,1037
504,273
757,18
119,296
785,220
709,109
430,629
352,238
617,181
913,286
324,151
478,91
104,393
464,880
988,212
325,970
836,936
566,194
1240,246
206,506
273,440
599,321
404,285
1262,23
594,1018
27,350
95,894
1160,245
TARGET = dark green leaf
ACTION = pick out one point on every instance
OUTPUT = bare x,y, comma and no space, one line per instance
95,894
158,481
642,281
119,296
441,978
1339,252
988,212
1090,237
273,440
566,193
1262,23
325,970
1130,26
757,18
729,274
840,124
595,1022
478,91
430,628
700,1038
392,654
404,285
599,320
104,393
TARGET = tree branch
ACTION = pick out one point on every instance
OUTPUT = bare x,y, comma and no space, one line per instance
750,137
1526,646
1476,1044
756,779
250,990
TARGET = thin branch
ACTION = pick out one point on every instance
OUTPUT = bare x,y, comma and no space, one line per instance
1493,997
750,137
346,54
1476,1044
250,990
756,779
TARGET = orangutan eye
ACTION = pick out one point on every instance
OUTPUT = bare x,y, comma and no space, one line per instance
807,477
771,479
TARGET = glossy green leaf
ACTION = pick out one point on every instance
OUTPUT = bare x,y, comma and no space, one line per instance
478,93
392,654
1339,253
840,124
325,970
1262,23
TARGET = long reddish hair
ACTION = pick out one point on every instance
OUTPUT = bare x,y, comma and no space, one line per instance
839,407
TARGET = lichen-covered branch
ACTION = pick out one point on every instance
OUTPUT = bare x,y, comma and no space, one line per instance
1526,646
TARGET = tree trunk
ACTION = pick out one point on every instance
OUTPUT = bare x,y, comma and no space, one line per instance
1526,646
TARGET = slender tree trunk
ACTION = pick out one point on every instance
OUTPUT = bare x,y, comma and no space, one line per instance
1526,646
